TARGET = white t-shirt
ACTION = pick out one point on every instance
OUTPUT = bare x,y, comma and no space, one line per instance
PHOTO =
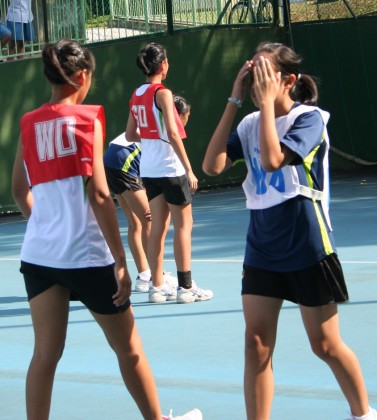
20,11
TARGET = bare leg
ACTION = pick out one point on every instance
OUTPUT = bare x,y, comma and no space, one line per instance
322,326
49,312
16,47
182,221
121,333
261,317
5,40
134,205
160,223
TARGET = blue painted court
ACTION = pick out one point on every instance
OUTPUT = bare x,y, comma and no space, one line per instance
196,350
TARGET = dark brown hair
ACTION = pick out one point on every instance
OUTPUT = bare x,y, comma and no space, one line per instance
288,62
64,59
150,57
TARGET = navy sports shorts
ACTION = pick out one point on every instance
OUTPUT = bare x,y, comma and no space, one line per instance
93,286
119,181
175,189
317,285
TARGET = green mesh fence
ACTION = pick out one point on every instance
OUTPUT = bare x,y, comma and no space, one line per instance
90,21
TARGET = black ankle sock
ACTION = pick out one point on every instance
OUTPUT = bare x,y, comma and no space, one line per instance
184,279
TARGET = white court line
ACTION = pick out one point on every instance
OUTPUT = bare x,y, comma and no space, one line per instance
13,223
214,261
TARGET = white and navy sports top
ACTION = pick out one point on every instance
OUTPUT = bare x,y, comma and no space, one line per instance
124,155
289,226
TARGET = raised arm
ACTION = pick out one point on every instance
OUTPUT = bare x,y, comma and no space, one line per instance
267,85
215,160
105,212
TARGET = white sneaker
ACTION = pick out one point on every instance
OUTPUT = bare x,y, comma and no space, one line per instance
194,414
169,278
141,285
164,293
195,294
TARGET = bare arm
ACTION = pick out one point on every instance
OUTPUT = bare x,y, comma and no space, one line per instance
20,186
164,99
267,85
215,160
132,133
105,212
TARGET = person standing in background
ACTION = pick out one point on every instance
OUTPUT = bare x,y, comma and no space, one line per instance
167,176
122,166
20,23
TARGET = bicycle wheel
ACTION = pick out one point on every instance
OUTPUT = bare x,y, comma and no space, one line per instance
240,13
265,11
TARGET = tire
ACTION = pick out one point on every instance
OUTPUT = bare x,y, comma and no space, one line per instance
240,13
265,14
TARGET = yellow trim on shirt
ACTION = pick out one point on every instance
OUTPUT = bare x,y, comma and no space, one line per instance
130,158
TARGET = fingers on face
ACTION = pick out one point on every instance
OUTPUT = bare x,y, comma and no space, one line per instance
265,68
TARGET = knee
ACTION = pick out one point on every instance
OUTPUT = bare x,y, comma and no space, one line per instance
146,226
257,348
128,352
132,229
324,349
48,357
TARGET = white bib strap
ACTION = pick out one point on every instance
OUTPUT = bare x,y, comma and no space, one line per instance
310,193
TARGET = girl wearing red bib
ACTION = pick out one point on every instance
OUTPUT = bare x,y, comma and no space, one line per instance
167,176
72,246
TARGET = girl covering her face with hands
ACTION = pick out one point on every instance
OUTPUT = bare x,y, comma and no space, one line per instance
290,251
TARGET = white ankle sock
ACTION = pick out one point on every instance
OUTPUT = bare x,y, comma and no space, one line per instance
145,275
370,415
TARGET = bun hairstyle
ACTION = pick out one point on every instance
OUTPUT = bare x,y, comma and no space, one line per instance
64,59
150,57
288,62
182,104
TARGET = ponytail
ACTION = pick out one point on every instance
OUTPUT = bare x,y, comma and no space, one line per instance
64,59
305,90
150,57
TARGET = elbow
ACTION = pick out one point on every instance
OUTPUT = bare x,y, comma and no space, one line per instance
210,171
19,191
131,136
270,165
98,198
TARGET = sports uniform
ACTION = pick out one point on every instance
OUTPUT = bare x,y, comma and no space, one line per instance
62,235
158,158
160,167
122,165
289,230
